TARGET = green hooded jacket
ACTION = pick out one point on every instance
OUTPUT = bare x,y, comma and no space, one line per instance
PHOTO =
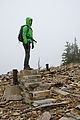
30,32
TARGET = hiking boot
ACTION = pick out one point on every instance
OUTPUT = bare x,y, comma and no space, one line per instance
28,68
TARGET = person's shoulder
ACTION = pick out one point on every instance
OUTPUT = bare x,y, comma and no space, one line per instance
25,27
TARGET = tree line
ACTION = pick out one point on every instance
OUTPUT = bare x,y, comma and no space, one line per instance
71,53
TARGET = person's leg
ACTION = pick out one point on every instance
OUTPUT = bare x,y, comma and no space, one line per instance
27,55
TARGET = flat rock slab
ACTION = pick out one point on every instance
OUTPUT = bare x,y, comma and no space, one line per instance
32,85
30,80
12,93
76,110
50,84
40,94
38,86
61,92
77,107
46,86
67,118
45,116
42,102
73,115
52,105
28,72
31,76
76,95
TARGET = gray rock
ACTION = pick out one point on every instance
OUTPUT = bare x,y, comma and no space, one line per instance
74,115
30,80
42,102
32,85
0,80
5,117
16,114
32,77
40,94
12,93
61,92
67,118
27,72
51,105
27,98
45,116
77,107
64,88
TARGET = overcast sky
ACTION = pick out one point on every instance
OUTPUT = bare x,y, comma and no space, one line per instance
54,23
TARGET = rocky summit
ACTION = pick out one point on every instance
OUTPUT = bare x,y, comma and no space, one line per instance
41,94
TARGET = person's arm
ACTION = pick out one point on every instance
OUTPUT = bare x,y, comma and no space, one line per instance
30,38
32,41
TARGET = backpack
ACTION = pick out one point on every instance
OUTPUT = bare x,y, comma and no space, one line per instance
20,37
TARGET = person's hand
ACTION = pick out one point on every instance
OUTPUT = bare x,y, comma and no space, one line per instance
32,45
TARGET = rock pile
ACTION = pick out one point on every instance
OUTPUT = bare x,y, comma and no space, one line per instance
41,95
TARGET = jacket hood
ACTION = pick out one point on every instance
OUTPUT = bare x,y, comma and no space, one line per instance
27,21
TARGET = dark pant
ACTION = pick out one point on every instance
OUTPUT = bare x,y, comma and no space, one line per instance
27,55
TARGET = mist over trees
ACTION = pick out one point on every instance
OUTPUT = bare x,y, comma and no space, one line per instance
71,53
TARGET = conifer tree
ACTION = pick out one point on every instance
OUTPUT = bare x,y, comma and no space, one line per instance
71,54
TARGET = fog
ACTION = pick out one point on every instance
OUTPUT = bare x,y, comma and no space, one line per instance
54,23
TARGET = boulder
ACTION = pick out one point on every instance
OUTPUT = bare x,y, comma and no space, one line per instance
27,98
12,92
45,116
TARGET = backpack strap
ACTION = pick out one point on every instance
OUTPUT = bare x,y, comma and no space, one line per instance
27,29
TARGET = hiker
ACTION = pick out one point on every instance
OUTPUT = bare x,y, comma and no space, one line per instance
26,37
27,41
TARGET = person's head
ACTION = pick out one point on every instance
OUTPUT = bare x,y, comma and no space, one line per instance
29,21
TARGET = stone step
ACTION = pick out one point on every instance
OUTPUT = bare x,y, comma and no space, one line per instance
28,72
42,102
32,86
44,86
38,86
31,77
30,80
51,105
61,92
40,94
67,118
